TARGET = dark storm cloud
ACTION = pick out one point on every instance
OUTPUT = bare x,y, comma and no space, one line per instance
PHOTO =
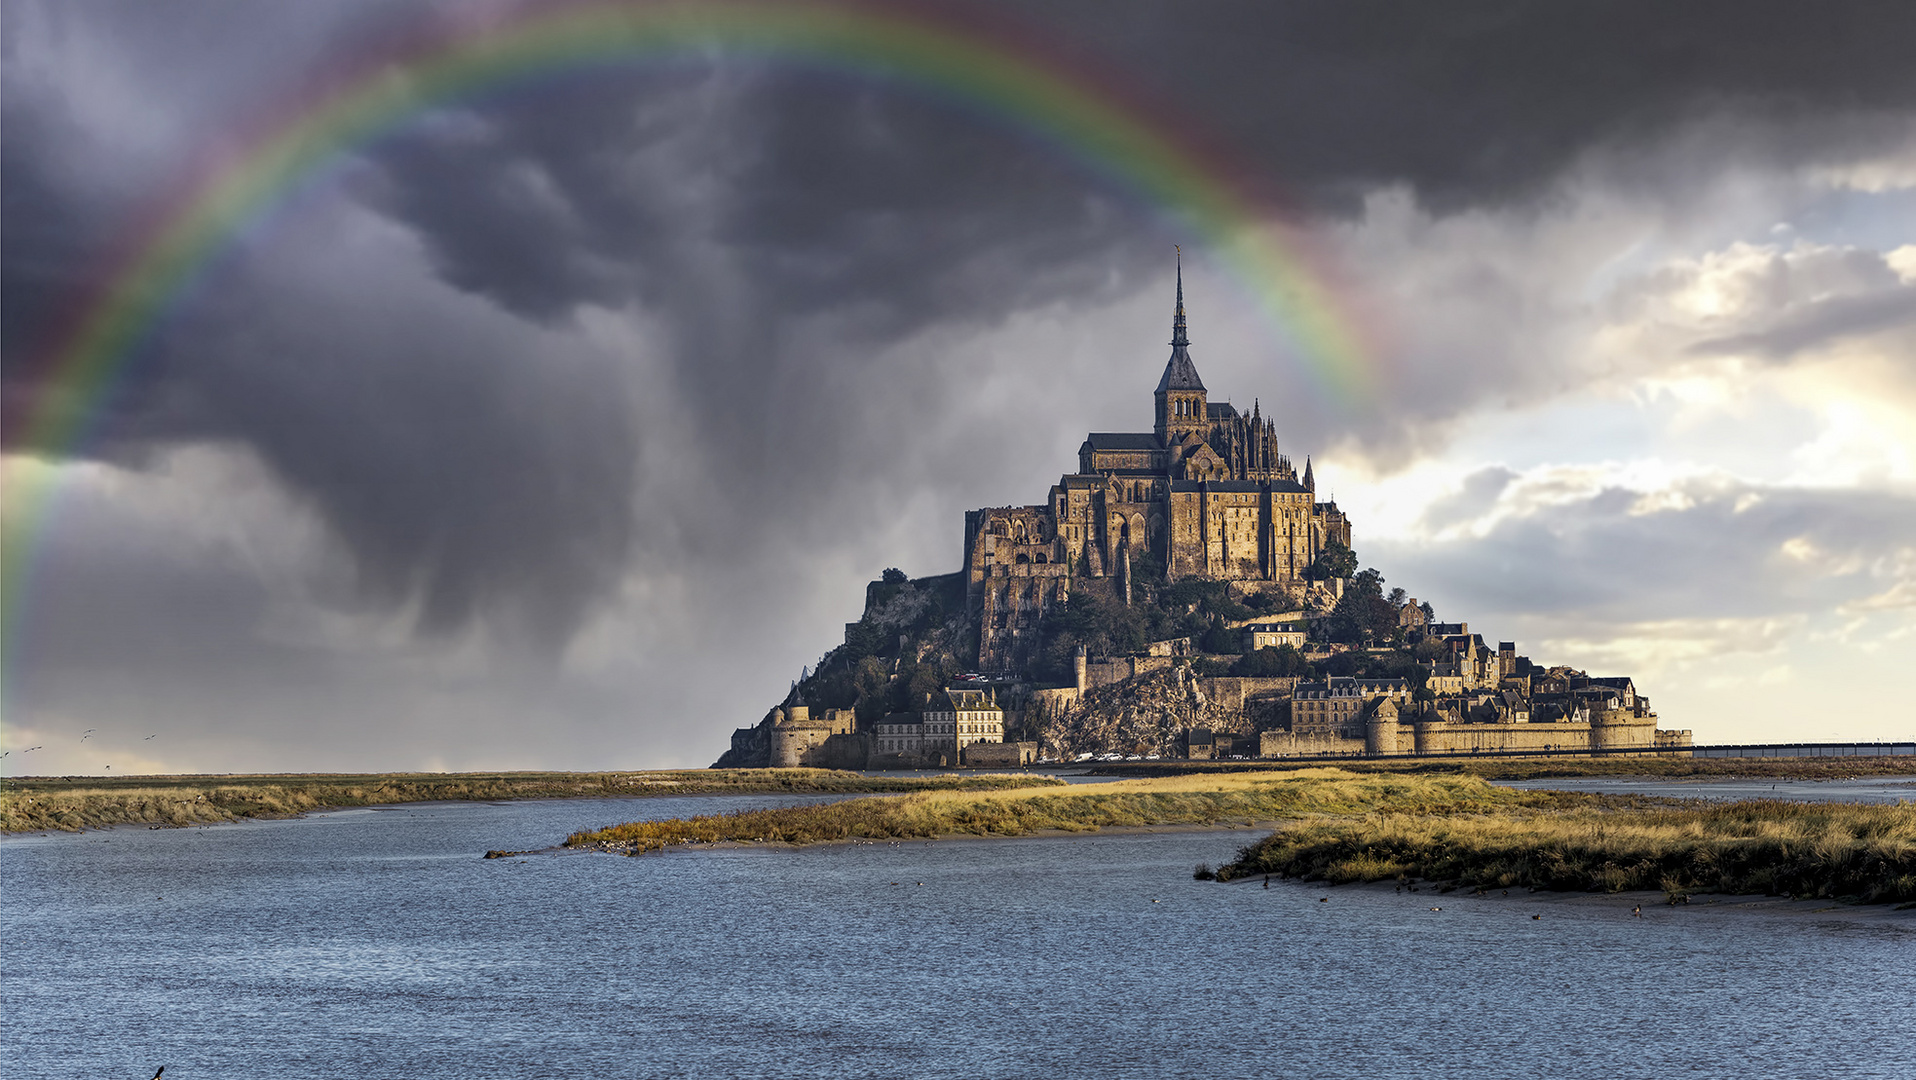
1477,102
472,464
779,229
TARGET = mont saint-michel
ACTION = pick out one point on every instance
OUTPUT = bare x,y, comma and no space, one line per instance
1183,593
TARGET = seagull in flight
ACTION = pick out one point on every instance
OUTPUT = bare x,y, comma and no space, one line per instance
87,734
155,735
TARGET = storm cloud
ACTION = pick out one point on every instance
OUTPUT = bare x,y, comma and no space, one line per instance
644,348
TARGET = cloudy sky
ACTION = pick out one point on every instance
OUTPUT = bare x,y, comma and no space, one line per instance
561,425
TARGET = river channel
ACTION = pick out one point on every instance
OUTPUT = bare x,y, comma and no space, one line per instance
377,943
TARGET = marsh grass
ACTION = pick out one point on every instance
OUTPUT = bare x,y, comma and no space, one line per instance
74,803
1842,851
1183,800
1800,768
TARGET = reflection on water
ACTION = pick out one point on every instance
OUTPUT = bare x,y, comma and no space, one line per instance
379,944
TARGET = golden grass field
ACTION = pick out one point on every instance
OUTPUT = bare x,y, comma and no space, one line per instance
1841,851
1799,768
1180,800
45,804
1342,826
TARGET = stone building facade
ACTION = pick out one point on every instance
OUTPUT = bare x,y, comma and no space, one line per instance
940,732
1206,493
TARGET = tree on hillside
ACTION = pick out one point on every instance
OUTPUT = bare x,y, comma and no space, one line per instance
1102,625
1336,561
1219,638
1272,662
1363,613
893,576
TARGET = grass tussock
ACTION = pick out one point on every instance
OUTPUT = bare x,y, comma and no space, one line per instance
1185,800
74,803
1800,768
1852,852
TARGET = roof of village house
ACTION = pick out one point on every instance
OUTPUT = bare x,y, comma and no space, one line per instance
969,700
1201,736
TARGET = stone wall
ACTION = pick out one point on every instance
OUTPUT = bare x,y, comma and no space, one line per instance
1277,744
1106,670
986,755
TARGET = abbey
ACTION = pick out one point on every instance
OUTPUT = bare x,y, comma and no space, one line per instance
1205,495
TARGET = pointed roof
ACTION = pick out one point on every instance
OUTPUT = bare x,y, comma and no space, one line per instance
1309,482
1180,373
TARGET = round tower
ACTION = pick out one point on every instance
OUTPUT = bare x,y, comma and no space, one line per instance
1620,729
1382,731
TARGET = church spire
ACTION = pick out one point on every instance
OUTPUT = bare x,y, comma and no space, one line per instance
1180,396
1178,338
1309,481
1180,373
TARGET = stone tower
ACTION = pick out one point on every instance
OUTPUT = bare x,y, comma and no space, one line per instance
1181,407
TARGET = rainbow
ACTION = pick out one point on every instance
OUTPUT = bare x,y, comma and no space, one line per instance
994,71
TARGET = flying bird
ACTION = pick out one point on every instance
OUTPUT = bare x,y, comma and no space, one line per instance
155,735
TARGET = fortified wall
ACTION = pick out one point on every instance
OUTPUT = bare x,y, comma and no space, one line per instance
1388,731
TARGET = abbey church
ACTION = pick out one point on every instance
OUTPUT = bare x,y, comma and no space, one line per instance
1204,495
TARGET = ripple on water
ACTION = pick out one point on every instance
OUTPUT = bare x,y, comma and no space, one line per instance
380,944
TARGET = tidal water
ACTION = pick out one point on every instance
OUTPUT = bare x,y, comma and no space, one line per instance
377,943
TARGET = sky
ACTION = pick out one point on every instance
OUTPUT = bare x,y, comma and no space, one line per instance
560,425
